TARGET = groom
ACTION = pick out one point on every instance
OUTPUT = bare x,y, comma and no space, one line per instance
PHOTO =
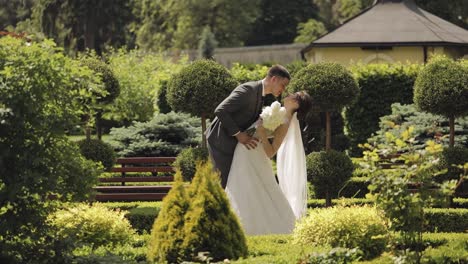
236,113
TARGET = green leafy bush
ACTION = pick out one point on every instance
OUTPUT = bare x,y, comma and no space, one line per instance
210,224
335,255
350,227
381,85
198,88
442,88
164,135
95,225
187,161
140,75
168,228
328,171
331,87
99,151
40,95
100,68
161,99
451,157
243,73
444,248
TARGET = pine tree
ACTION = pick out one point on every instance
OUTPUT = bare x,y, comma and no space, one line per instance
207,44
210,224
167,233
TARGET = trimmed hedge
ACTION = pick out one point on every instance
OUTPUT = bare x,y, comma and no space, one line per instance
142,218
356,187
446,220
381,85
439,219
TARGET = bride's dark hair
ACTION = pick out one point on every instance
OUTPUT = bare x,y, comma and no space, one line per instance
305,103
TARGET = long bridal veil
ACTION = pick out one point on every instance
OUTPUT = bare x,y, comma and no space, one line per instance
292,169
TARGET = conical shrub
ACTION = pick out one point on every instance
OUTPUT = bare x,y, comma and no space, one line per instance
210,224
167,234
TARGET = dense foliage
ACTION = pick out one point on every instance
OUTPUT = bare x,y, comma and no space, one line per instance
40,94
380,86
349,227
98,151
328,171
164,136
188,159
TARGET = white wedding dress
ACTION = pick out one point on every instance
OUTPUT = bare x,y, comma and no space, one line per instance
254,194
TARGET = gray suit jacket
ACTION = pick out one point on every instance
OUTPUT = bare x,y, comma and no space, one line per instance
236,113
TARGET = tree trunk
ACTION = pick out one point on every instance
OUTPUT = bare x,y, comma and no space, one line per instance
328,127
452,130
203,122
328,200
88,131
98,124
90,31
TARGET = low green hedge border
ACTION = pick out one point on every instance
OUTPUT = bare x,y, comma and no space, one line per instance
438,219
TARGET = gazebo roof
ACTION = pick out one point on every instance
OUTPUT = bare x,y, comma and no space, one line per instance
393,23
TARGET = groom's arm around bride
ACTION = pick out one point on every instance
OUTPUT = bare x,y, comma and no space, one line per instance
236,113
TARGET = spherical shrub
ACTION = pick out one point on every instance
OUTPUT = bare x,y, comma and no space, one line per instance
451,157
199,87
111,84
96,225
98,150
328,171
187,161
350,227
442,88
331,85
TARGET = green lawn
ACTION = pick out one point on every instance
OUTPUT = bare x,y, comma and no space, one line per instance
105,137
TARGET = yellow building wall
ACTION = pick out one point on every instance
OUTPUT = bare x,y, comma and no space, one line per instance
352,55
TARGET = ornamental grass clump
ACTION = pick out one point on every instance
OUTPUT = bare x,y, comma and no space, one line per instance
349,227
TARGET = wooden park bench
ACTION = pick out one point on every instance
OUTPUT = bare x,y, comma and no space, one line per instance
153,165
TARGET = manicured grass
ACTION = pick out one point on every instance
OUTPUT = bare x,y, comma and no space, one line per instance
276,249
105,137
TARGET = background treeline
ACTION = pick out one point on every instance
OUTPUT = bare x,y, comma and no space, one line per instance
178,24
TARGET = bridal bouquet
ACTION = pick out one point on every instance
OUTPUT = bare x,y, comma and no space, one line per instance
272,116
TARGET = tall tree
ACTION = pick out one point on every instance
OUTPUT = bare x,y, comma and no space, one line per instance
455,11
84,24
278,21
14,11
178,24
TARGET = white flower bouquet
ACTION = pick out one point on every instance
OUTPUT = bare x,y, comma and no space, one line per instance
272,117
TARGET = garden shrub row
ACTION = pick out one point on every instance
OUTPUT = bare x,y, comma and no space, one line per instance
439,219
381,85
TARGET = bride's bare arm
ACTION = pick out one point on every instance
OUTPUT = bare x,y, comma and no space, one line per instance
278,136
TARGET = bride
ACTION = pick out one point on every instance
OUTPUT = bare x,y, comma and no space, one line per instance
262,205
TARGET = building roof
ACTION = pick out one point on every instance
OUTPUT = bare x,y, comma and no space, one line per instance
391,23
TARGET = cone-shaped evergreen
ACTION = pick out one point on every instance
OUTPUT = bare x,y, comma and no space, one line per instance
210,224
167,234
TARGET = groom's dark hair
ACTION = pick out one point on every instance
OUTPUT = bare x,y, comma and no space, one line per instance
280,71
